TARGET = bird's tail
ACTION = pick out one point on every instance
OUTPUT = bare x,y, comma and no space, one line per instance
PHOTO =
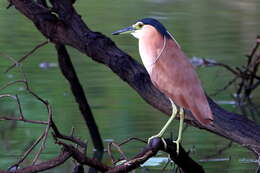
201,111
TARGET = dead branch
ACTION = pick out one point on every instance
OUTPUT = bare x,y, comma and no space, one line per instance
21,117
44,135
182,159
246,74
44,165
68,71
82,159
56,133
220,151
123,156
27,55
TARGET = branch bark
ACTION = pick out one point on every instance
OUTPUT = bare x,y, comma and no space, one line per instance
68,28
68,71
182,159
44,165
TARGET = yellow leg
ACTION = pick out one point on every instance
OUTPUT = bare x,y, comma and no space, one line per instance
160,134
178,141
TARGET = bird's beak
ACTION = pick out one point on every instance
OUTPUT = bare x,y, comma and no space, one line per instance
127,30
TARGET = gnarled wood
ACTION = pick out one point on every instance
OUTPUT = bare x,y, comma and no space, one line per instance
67,28
182,159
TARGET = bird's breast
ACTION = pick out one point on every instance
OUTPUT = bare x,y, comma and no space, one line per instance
149,54
147,61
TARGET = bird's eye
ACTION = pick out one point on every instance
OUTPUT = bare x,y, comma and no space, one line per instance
139,25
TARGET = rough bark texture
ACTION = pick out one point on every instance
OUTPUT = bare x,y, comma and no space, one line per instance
185,163
79,94
43,165
68,28
182,159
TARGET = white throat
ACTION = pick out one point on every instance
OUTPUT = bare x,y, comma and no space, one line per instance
137,33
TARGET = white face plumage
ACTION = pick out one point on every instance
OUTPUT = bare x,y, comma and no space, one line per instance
138,30
137,33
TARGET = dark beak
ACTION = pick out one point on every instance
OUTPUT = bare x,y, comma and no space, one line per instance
124,31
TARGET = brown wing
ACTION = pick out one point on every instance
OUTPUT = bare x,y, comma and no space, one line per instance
174,75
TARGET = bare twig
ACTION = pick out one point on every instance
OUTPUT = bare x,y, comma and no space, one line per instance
225,87
221,150
118,149
24,120
182,159
252,53
19,107
82,159
12,83
212,63
24,156
63,156
57,134
27,55
130,139
21,117
44,136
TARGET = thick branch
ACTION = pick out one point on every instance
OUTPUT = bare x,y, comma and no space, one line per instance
82,159
75,33
182,159
44,165
68,71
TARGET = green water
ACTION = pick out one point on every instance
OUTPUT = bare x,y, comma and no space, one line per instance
222,30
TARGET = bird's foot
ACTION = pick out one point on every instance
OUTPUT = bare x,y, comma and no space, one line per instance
158,136
177,142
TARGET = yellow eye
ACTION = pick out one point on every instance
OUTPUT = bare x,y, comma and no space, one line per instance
138,25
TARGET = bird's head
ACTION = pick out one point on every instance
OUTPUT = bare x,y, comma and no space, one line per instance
143,26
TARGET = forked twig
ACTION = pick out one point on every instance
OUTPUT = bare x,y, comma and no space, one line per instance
57,134
118,147
43,137
21,117
130,139
232,81
109,149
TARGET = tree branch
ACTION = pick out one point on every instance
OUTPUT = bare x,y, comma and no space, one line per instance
44,165
68,71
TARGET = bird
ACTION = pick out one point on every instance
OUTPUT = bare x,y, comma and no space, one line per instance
171,72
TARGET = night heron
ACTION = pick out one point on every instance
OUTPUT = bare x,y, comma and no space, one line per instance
171,72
